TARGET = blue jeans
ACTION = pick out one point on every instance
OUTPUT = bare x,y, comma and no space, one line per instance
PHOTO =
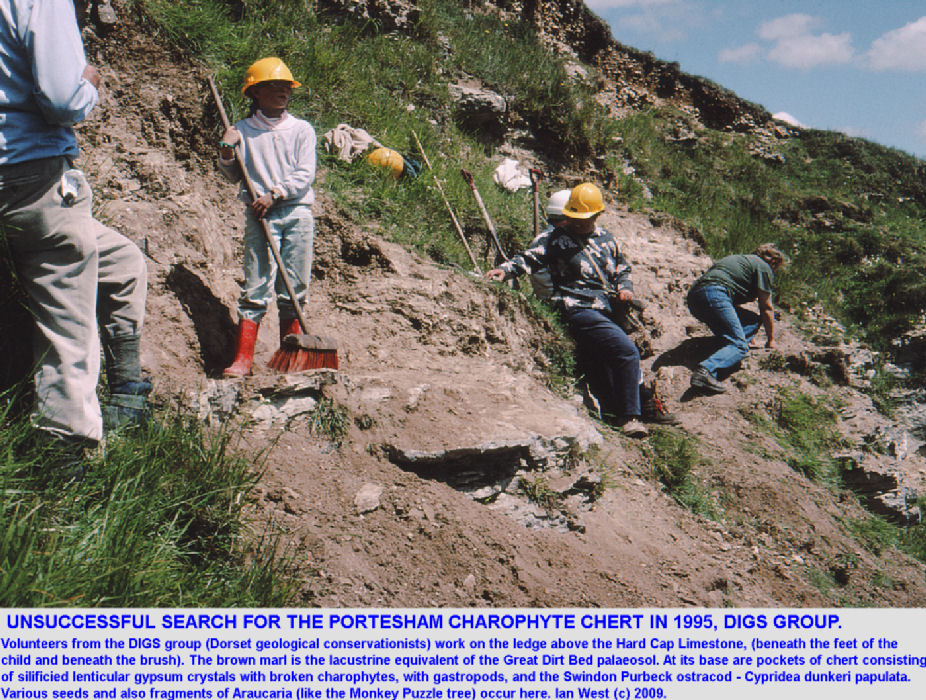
609,358
735,326
293,229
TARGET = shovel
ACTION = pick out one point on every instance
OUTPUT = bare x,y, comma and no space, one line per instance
468,176
536,176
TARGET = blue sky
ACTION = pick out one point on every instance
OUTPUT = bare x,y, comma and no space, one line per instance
857,66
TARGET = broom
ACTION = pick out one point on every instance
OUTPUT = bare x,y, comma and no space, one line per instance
297,352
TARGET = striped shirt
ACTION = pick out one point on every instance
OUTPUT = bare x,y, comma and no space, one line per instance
585,273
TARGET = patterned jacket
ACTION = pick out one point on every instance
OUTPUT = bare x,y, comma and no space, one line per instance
576,267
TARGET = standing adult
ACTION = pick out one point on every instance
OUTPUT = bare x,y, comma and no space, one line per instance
83,280
716,299
590,279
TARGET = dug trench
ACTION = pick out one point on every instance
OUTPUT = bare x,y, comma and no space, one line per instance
438,468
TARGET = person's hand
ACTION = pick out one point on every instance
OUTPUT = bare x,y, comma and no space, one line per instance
625,295
92,76
496,275
262,204
231,136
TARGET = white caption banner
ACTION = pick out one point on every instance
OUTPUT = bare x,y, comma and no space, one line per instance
467,654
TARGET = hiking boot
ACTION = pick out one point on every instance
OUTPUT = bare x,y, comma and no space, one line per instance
654,411
705,381
127,406
632,427
628,425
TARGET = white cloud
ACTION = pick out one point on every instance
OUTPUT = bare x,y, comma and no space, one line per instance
900,49
786,118
787,26
855,132
665,20
654,24
747,53
610,4
794,45
810,50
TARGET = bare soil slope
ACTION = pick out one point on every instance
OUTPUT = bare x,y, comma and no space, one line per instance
442,377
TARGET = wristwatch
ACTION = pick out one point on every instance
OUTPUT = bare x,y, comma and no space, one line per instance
226,144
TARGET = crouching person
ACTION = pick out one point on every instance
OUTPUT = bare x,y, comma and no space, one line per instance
590,278
83,280
716,299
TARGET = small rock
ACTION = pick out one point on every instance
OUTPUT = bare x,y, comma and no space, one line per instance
469,583
367,498
415,395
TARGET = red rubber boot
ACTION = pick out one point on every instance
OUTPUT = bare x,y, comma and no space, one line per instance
290,327
244,355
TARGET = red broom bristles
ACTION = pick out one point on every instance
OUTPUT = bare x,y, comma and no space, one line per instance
288,360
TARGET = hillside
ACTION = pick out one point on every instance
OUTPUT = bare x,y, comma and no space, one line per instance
450,462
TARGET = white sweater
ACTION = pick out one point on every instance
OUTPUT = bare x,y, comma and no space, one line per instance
279,156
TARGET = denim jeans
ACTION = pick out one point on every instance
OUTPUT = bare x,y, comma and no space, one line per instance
293,229
734,325
610,360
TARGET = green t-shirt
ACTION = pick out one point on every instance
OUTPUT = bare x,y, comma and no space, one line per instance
744,276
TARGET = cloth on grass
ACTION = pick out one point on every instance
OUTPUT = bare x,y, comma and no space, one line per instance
511,175
348,142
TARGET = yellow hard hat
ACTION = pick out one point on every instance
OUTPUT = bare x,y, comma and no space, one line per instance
389,159
265,69
585,201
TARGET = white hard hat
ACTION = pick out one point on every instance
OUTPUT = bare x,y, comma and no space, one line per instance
556,203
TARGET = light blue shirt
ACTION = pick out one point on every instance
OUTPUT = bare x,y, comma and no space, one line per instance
42,91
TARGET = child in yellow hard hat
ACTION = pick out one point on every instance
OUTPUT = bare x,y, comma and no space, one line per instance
278,152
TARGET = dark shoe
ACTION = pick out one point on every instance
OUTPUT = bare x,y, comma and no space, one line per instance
705,381
127,406
64,460
654,411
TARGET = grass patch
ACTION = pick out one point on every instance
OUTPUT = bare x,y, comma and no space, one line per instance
878,535
330,420
157,520
874,533
883,389
537,490
808,427
823,581
805,429
673,455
